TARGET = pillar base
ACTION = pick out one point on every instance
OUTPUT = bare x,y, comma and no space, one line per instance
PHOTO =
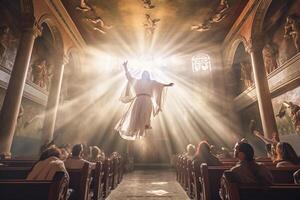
4,156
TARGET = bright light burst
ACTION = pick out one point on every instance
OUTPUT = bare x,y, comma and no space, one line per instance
191,112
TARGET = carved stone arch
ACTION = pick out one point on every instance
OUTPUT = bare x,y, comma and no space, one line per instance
258,20
56,35
75,54
232,50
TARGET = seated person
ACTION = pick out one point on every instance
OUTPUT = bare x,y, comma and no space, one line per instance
297,177
204,155
48,164
190,151
286,155
247,170
97,154
76,161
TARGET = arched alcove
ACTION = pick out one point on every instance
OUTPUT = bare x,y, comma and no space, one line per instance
271,22
241,76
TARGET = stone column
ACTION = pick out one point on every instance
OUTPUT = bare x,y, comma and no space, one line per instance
14,92
53,100
262,89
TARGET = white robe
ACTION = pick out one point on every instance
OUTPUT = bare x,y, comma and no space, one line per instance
145,97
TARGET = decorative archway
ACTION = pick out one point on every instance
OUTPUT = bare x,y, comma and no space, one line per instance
56,35
232,50
258,20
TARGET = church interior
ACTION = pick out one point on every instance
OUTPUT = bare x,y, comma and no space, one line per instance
149,99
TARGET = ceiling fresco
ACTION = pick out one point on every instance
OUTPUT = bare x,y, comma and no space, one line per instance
172,26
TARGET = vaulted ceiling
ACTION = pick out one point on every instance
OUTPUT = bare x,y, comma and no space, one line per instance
124,26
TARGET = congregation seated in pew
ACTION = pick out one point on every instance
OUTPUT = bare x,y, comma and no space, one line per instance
75,161
48,164
97,154
190,152
204,155
247,170
286,155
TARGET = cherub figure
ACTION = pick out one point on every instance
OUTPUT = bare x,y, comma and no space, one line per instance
148,4
201,27
292,30
99,24
83,6
151,24
221,12
223,7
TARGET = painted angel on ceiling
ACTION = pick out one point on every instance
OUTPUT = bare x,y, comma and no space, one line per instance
83,6
221,12
151,24
99,24
205,26
148,4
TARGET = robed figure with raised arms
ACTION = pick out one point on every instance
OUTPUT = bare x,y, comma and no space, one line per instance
145,97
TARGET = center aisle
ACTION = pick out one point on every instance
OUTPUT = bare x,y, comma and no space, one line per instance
149,185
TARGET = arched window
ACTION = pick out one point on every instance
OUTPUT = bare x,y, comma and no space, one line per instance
201,62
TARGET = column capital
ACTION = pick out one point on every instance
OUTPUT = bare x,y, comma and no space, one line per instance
34,28
37,30
66,59
255,44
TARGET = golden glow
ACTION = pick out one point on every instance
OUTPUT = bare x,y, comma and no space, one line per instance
194,107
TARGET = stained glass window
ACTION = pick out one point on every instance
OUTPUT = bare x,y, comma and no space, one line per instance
201,62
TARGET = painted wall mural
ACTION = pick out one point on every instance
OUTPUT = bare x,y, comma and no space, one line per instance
287,117
9,33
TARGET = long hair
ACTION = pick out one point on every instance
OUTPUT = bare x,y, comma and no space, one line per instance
287,153
203,150
52,151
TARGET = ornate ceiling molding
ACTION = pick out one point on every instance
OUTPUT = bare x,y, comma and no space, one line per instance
66,21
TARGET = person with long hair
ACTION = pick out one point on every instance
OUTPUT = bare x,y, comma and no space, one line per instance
286,155
48,164
204,154
190,152
247,170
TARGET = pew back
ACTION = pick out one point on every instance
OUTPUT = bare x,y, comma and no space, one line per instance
80,180
35,190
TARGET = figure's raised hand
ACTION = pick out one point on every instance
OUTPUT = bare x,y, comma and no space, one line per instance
125,65
171,84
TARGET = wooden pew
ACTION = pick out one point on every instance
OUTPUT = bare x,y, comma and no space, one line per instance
18,189
210,177
190,189
114,165
80,180
210,181
97,184
195,181
121,169
107,177
17,163
14,172
233,191
184,173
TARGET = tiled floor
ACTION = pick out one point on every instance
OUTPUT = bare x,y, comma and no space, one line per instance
149,185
